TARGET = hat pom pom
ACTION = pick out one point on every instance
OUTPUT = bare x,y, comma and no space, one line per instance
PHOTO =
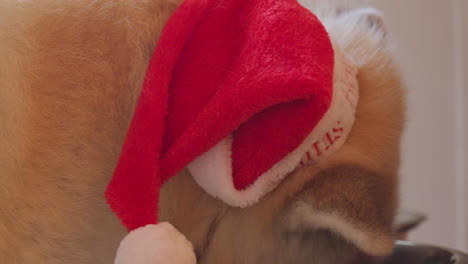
155,244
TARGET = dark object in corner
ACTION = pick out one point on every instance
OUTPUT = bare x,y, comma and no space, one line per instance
413,253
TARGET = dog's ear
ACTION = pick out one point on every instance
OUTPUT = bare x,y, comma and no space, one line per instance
351,203
368,17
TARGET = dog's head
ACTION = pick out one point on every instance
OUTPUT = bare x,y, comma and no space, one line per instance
331,212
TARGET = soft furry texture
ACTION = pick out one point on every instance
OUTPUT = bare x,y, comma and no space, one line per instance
70,73
365,196
158,244
370,158
261,70
213,170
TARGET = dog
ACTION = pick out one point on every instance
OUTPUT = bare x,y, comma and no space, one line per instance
70,76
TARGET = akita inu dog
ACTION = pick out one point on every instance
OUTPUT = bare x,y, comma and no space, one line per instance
70,76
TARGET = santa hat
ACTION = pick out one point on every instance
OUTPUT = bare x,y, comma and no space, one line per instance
241,92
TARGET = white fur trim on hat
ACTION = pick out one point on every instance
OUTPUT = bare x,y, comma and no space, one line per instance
213,170
155,244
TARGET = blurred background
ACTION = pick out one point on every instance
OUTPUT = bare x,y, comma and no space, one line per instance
431,38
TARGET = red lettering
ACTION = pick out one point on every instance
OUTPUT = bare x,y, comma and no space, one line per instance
338,133
330,140
317,149
328,143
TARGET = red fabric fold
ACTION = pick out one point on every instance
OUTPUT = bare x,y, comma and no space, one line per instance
260,69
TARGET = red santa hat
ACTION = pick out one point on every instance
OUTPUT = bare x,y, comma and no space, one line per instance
239,91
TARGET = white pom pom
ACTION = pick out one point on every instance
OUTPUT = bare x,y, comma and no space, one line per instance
155,244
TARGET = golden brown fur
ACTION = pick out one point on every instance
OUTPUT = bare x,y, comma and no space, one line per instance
70,73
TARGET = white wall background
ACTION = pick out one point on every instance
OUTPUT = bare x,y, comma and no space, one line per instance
465,89
432,48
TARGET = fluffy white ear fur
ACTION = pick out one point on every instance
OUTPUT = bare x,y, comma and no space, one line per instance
366,240
350,27
370,17
155,244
